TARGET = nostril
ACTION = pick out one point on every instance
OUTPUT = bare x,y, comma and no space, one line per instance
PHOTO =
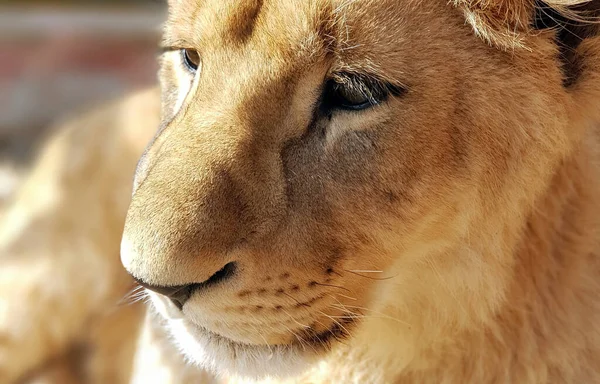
179,294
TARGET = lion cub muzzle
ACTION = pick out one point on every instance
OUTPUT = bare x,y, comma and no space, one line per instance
198,203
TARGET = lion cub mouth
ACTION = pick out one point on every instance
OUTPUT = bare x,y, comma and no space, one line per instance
308,338
320,335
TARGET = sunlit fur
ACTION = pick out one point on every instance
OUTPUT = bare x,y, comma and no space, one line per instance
458,224
60,275
446,235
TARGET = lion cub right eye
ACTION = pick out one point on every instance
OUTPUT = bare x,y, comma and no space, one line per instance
355,92
191,59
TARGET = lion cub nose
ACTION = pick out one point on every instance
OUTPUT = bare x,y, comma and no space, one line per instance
181,293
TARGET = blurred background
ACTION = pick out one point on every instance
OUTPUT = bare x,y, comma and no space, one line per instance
61,56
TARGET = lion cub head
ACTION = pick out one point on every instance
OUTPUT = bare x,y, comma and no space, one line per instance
327,167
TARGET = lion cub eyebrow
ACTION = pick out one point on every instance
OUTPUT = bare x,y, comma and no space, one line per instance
371,84
167,44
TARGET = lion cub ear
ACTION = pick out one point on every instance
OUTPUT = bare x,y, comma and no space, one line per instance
499,22
507,23
573,25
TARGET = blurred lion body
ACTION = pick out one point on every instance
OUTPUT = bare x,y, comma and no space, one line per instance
61,279
534,317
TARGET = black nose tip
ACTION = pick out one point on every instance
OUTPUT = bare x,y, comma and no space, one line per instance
179,294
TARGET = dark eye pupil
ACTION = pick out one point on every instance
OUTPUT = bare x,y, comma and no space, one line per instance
191,59
342,96
352,97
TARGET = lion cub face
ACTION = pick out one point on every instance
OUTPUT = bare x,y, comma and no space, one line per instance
317,157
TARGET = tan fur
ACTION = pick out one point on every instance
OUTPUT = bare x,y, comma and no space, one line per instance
450,235
463,192
59,243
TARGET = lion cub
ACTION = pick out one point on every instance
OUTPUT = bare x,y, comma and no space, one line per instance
364,191
376,191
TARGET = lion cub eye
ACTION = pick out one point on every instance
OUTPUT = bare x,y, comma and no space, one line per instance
356,92
352,98
191,59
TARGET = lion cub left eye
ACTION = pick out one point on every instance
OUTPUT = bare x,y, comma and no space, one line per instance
191,59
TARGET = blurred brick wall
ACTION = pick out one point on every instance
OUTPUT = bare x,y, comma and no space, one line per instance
57,60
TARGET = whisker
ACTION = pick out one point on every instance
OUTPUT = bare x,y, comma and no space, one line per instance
369,277
302,341
337,273
133,296
345,309
135,300
334,286
337,339
293,298
315,335
340,303
381,314
349,316
134,290
335,321
431,264
259,333
347,297
294,320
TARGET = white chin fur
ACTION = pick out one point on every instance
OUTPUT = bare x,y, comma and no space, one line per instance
227,358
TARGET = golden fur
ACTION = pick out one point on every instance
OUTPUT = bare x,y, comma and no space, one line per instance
60,276
448,235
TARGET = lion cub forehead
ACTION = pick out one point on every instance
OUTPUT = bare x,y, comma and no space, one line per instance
239,21
275,23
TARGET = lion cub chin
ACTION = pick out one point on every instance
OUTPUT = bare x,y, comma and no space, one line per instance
374,192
